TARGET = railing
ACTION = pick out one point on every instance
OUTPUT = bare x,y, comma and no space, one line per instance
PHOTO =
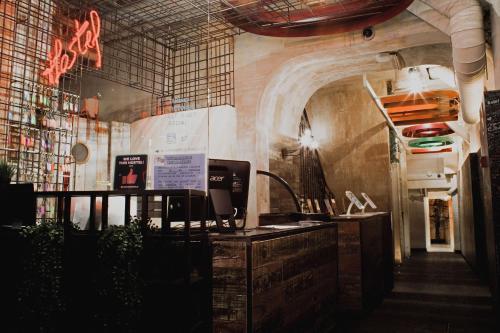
285,184
64,199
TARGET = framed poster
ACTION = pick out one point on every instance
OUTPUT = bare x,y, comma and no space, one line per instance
130,172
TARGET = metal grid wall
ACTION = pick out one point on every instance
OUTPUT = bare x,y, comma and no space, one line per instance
180,22
203,76
189,65
134,60
165,48
36,119
195,22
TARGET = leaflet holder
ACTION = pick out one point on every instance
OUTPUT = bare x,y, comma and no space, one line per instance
368,201
223,210
354,201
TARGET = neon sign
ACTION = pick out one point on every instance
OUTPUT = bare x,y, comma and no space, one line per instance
86,38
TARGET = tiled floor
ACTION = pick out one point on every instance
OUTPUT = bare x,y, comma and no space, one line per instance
434,292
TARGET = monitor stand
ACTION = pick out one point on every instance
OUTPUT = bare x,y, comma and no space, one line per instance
223,210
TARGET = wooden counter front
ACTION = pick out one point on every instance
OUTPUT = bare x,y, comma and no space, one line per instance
269,280
365,260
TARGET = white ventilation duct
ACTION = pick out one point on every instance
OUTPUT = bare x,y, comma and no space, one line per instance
469,51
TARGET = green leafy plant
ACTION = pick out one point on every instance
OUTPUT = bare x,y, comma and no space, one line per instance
6,172
41,294
118,282
146,225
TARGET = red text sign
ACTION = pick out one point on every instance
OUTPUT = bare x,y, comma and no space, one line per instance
86,38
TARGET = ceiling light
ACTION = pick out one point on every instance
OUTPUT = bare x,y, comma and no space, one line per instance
415,84
438,141
307,140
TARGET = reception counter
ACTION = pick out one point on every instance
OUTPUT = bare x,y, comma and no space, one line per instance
365,260
281,279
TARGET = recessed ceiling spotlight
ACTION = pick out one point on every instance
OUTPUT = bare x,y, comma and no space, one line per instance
368,33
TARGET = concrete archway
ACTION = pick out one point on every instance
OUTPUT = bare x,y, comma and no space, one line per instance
285,74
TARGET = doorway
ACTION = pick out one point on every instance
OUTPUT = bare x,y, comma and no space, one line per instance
439,226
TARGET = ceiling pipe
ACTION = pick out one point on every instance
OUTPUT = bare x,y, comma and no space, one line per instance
460,130
469,51
251,17
383,111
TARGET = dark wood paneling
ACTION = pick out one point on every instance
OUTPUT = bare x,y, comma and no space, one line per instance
229,286
373,262
365,261
293,282
292,277
350,289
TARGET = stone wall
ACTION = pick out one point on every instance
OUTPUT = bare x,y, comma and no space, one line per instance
417,219
354,141
288,169
467,236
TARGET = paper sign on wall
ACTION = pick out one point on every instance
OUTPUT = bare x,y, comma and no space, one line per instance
130,172
181,171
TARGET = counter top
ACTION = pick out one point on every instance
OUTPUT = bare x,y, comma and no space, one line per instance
268,232
366,216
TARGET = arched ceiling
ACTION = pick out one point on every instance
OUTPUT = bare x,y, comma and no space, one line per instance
291,88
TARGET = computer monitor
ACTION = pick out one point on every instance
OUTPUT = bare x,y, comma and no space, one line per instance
233,176
230,175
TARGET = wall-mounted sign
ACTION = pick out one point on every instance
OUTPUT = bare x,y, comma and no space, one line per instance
130,172
183,171
181,104
86,38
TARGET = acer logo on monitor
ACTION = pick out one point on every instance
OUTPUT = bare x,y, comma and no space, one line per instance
217,178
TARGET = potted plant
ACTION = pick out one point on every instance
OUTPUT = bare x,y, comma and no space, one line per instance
6,173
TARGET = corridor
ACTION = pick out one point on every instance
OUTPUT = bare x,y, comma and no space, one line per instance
433,293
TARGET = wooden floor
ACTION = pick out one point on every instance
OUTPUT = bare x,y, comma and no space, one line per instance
434,292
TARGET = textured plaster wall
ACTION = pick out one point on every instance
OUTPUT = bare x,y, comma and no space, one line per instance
104,141
495,27
354,142
466,214
417,219
274,79
93,174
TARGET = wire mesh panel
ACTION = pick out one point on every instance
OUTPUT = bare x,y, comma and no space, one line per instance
181,52
203,76
135,60
36,118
